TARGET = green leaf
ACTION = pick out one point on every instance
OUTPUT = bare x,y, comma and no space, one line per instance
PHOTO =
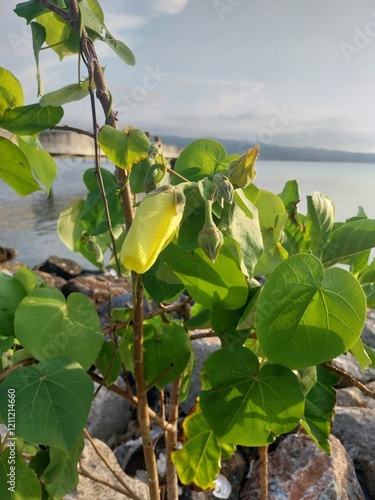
319,221
307,315
198,462
61,474
246,404
11,93
41,162
119,48
17,480
109,362
69,93
28,279
92,15
167,350
369,290
359,262
371,354
246,231
31,120
39,37
124,149
214,285
15,169
360,354
11,294
60,37
319,409
31,9
349,239
53,401
157,286
200,159
48,325
69,226
291,197
368,275
138,174
272,217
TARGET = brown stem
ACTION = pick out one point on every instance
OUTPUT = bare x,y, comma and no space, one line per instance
203,335
171,441
102,480
263,469
349,378
128,492
143,414
73,129
21,364
60,12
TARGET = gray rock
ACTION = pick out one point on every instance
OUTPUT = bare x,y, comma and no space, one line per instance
298,470
351,396
110,413
65,268
368,334
90,489
355,427
202,349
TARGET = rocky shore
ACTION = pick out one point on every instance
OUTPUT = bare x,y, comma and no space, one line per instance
297,468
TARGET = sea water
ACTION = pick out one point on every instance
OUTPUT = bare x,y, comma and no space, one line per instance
28,224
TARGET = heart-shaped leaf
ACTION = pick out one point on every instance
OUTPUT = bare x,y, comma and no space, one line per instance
246,404
11,93
31,120
167,352
48,325
126,148
307,315
15,169
53,400
200,159
198,462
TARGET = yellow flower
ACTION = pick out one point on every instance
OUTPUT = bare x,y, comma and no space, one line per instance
242,172
156,221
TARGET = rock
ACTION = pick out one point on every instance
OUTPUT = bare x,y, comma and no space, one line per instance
11,267
65,268
7,254
368,334
109,414
51,280
298,470
355,427
100,288
351,396
90,489
202,349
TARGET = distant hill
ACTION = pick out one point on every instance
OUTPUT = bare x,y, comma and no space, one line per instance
281,153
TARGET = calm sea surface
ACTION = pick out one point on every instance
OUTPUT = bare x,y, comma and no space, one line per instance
29,224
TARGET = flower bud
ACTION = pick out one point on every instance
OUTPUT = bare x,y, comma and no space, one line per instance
223,187
242,172
154,177
156,221
210,239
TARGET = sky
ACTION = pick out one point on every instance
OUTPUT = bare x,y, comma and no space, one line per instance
292,73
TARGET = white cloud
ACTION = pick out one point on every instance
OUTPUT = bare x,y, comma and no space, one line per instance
170,6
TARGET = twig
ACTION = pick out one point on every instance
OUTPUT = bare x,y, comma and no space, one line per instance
67,128
349,378
203,335
171,440
143,413
108,465
60,12
102,480
21,364
263,468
